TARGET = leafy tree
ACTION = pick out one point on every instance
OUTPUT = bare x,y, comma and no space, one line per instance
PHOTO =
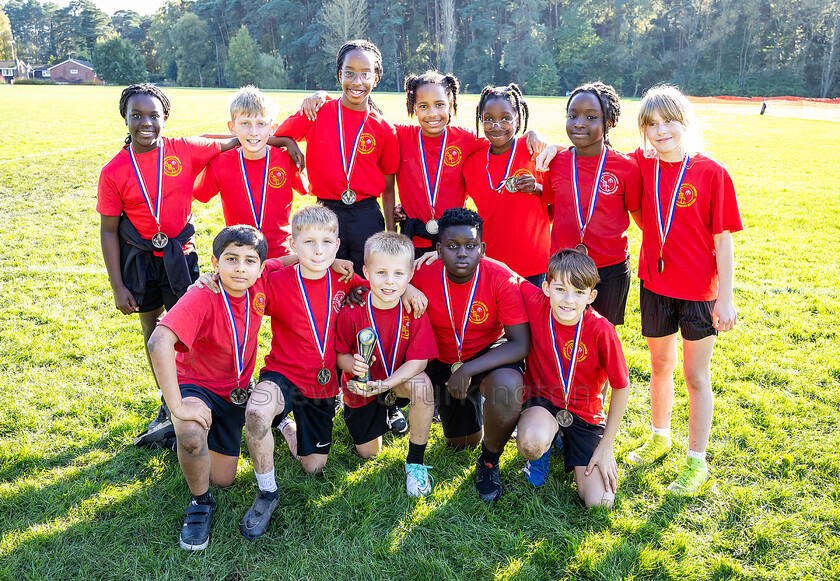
193,51
118,62
243,64
343,20
5,37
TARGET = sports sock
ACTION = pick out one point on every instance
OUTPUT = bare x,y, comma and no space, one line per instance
665,432
266,481
415,453
696,455
205,498
488,457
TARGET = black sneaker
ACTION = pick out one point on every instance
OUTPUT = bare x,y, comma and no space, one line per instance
396,420
195,534
158,429
255,522
436,416
488,481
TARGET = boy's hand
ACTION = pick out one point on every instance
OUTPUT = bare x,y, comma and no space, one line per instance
359,365
427,258
724,315
311,104
297,156
414,301
193,409
544,158
344,268
604,458
399,213
354,297
209,280
459,383
124,300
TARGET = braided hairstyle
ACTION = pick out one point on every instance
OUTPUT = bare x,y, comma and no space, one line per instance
609,100
143,89
364,45
513,95
449,82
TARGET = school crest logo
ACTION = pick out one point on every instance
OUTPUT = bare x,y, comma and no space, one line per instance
452,156
258,304
171,165
479,313
338,300
609,184
567,351
406,321
367,143
276,177
688,195
522,172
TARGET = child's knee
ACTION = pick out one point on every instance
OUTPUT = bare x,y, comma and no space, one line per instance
422,392
698,379
192,438
257,422
313,465
663,361
531,447
222,481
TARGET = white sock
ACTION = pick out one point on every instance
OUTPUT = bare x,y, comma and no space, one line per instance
696,455
666,432
285,422
266,482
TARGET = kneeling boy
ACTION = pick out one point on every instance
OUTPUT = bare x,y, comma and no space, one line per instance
574,351
404,346
203,354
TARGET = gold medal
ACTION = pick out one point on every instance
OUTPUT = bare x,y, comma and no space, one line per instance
582,248
510,184
348,197
390,398
456,366
160,240
564,418
238,396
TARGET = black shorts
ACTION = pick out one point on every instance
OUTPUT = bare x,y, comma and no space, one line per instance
314,417
662,316
613,289
536,279
579,440
356,223
369,421
462,417
158,292
228,419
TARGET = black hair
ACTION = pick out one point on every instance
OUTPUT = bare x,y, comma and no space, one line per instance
609,100
143,89
513,95
365,45
449,82
240,235
460,217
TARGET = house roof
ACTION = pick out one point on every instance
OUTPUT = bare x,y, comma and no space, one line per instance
85,64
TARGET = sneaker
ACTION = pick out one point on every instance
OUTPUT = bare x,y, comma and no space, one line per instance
255,522
396,420
692,480
158,429
558,442
195,534
436,416
488,481
417,480
652,450
536,471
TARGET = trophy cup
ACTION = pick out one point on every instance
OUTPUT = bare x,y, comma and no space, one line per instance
365,345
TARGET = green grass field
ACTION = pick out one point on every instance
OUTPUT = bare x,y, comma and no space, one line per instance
78,501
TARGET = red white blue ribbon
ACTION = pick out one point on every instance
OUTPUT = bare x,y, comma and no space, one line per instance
665,226
507,167
320,344
156,210
459,339
258,218
565,380
431,192
348,167
389,370
238,349
593,196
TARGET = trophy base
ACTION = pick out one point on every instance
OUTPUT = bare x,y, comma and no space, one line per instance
356,384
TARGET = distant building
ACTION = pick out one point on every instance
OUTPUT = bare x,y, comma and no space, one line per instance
41,72
74,71
10,70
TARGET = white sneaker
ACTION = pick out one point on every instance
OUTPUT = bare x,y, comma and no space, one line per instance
417,480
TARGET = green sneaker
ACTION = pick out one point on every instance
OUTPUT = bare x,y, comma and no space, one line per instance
652,450
694,479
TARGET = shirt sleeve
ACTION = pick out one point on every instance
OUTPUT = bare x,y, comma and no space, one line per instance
345,333
296,127
186,318
206,185
202,150
389,159
509,300
423,345
633,186
612,358
725,212
108,200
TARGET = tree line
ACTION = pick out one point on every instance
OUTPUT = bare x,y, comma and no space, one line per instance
707,47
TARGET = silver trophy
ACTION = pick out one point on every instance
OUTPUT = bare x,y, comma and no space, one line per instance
365,345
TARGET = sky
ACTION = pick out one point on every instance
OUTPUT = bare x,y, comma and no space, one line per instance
142,7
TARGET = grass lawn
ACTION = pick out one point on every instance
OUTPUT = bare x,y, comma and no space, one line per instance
78,501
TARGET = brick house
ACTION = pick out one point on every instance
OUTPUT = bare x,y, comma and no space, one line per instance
74,71
14,70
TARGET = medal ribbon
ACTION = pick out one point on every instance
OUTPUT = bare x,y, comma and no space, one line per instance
432,192
396,348
258,218
459,340
507,168
565,380
593,196
238,349
348,168
319,343
665,227
155,212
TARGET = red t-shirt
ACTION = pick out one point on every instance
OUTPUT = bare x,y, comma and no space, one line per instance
294,352
706,206
119,191
599,358
378,151
224,174
498,302
416,342
620,190
460,143
516,225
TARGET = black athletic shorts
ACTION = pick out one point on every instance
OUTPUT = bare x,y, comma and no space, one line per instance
369,421
613,289
356,223
579,440
662,316
158,292
228,419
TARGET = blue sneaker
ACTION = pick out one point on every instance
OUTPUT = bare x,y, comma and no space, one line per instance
536,471
558,442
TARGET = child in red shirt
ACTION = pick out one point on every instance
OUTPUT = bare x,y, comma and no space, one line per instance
574,351
403,347
256,181
686,264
